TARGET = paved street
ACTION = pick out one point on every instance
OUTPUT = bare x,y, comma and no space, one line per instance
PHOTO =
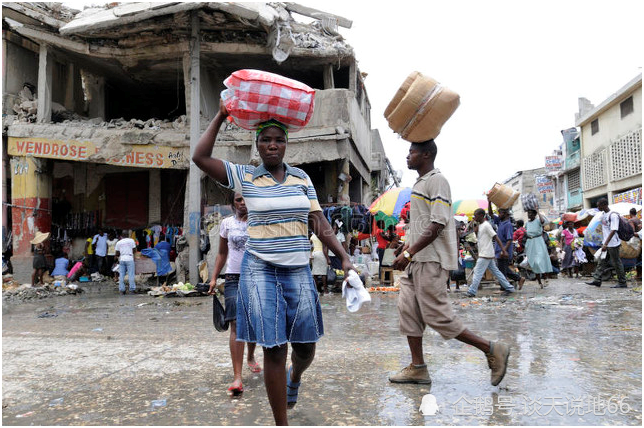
103,359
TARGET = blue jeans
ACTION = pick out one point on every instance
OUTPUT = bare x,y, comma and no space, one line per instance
126,266
479,269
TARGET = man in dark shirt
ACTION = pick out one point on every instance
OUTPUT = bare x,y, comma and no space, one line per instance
505,233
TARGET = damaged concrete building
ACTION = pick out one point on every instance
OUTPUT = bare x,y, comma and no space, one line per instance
101,108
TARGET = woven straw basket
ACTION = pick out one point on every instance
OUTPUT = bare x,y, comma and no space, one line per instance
420,108
503,196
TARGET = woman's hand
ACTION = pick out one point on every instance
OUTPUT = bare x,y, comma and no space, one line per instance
222,108
346,267
213,285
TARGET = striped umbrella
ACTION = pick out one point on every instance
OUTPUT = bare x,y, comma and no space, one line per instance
468,206
391,202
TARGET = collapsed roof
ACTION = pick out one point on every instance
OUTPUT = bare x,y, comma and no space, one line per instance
135,42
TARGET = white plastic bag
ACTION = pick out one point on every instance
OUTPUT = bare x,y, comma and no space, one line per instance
600,254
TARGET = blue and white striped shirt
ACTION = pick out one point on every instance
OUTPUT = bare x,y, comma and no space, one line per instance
278,213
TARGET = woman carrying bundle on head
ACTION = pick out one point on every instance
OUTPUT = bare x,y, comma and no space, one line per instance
277,301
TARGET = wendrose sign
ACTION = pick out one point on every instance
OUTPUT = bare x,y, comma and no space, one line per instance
142,156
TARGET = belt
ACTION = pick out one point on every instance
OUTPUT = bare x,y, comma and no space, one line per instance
232,276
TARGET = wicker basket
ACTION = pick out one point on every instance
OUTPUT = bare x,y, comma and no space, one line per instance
420,108
628,251
503,196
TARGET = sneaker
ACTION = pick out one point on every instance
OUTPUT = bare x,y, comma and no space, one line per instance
595,283
507,293
123,292
497,361
468,294
412,374
620,286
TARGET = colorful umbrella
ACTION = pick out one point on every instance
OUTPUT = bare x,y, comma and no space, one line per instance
468,206
392,201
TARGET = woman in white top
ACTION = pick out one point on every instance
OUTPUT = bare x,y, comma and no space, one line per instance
233,235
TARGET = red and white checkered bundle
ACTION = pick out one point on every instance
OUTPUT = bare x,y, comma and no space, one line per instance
255,96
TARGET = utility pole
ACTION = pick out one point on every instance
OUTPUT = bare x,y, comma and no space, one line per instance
194,187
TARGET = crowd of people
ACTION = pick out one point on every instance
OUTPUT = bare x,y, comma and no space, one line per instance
106,254
278,247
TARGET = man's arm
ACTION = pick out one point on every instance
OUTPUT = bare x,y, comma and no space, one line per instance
426,238
504,251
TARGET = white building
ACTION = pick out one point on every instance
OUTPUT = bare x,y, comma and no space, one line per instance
611,146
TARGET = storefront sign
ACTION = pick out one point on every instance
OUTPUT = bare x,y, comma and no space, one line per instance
544,184
554,163
633,196
142,156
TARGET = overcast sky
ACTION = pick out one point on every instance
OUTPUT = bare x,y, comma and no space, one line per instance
518,66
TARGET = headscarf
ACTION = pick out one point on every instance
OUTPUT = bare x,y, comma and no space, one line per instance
268,124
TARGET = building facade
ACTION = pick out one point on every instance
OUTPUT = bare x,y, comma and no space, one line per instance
528,182
101,109
611,146
572,170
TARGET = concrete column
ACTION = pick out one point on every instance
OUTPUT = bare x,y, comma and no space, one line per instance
154,196
343,186
353,79
45,77
30,210
194,177
96,87
328,77
69,88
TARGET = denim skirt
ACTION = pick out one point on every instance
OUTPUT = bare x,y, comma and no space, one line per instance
230,296
276,305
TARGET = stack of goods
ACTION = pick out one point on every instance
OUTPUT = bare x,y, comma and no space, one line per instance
529,202
503,196
255,96
420,108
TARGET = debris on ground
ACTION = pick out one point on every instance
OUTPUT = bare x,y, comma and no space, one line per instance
27,292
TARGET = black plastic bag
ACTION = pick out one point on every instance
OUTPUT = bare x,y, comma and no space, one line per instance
218,315
331,276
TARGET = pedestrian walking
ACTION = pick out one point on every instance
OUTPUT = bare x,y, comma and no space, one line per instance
233,234
319,264
427,258
485,234
277,301
99,245
125,255
568,236
383,239
610,224
39,262
518,235
504,245
111,252
334,260
89,255
535,247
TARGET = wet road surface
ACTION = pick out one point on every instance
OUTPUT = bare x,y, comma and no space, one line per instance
106,359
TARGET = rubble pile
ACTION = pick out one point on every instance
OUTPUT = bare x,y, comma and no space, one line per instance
27,292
